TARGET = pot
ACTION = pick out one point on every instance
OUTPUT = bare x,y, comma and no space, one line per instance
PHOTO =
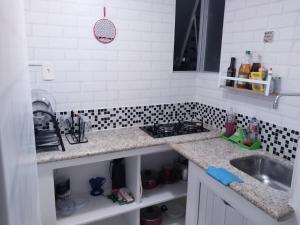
152,215
149,179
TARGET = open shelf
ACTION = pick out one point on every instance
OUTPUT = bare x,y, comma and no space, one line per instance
167,220
100,208
247,91
267,84
170,221
116,220
97,208
164,193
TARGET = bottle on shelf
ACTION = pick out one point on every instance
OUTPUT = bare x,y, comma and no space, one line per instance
256,65
245,70
259,75
231,71
230,125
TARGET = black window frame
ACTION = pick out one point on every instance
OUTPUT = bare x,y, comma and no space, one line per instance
202,40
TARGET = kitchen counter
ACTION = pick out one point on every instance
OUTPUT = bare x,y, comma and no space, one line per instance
204,149
109,141
217,152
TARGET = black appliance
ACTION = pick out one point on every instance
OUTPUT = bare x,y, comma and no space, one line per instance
174,129
118,174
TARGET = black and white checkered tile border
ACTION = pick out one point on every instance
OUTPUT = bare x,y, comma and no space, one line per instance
275,139
103,119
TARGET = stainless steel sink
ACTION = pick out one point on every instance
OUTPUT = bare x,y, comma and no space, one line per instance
267,170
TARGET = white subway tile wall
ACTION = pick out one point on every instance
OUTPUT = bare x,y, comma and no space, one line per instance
135,69
244,27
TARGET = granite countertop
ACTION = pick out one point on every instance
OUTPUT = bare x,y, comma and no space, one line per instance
109,141
217,152
204,149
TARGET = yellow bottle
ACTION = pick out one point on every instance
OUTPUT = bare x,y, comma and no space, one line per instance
260,75
244,71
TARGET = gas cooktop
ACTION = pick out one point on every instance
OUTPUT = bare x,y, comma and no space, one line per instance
174,129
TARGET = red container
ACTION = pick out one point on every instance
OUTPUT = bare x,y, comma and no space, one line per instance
149,179
151,216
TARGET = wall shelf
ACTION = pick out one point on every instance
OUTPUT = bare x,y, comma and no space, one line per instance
247,91
267,83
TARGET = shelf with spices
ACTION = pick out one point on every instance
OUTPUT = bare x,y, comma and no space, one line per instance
267,85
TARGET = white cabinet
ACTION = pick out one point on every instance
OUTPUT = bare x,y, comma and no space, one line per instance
101,210
213,210
211,203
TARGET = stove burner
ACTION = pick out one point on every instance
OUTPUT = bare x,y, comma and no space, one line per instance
166,128
174,129
190,126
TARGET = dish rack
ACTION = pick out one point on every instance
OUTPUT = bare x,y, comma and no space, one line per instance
46,128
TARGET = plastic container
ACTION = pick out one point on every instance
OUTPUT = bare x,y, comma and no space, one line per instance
230,125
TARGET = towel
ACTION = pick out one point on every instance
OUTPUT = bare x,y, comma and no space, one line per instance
222,175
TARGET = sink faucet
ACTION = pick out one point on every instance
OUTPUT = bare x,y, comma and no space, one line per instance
276,102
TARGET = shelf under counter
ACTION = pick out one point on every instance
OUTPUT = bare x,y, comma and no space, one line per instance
170,221
100,208
97,208
164,193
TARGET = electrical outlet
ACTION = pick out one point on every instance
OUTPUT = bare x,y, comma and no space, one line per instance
47,72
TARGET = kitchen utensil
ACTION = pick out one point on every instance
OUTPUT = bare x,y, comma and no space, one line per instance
169,174
78,134
149,179
62,187
104,29
175,211
65,207
96,185
43,101
118,174
152,215
184,173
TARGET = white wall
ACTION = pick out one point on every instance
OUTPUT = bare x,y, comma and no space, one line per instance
18,171
245,23
136,69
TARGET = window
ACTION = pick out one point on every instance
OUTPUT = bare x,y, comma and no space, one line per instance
198,35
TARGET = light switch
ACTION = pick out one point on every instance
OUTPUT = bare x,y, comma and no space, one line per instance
47,72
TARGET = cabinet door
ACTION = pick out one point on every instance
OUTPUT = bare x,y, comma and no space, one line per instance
215,211
232,217
211,208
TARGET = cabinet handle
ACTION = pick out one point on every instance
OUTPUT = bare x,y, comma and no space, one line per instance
226,203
